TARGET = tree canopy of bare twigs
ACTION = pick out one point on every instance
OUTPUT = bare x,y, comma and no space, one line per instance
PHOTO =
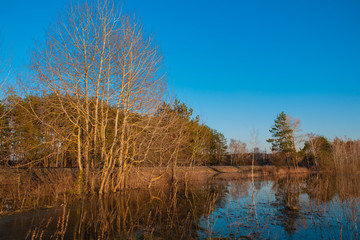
103,73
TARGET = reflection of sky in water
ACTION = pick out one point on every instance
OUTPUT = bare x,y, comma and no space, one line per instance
267,213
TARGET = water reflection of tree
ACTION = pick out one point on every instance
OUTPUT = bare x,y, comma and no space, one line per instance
239,189
178,213
287,192
320,188
324,187
336,206
166,213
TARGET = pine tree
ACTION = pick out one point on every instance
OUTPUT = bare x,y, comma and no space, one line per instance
282,134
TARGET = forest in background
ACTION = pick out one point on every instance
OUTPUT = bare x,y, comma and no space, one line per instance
34,135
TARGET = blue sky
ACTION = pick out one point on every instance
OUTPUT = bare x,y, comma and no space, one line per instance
238,63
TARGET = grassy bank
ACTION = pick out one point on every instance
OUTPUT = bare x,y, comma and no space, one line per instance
26,189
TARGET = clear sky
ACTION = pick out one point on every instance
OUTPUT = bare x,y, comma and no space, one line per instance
238,63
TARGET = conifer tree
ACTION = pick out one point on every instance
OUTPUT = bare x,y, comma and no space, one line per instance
282,134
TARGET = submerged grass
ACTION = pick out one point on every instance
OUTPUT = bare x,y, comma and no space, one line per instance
27,189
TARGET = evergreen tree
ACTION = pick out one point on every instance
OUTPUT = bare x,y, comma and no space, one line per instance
282,134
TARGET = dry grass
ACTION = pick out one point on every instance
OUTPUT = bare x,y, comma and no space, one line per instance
26,189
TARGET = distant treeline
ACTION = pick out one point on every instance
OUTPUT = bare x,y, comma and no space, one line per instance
337,154
316,152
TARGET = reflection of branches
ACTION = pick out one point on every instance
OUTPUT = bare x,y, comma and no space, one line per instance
38,231
325,187
253,204
42,230
287,192
321,187
239,189
168,213
333,198
180,212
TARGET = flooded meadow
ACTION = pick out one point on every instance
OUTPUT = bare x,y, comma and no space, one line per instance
318,206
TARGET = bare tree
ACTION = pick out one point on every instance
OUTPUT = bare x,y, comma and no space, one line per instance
297,138
236,148
108,81
346,154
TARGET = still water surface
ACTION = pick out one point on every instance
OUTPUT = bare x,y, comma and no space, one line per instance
301,207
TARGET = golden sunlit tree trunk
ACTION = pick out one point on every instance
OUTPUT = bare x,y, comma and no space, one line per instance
107,77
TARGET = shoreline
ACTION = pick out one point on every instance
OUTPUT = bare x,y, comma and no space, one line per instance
197,174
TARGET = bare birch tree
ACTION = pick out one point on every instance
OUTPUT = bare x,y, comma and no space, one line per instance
297,138
108,81
236,148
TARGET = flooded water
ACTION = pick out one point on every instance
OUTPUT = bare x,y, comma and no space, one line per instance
302,207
